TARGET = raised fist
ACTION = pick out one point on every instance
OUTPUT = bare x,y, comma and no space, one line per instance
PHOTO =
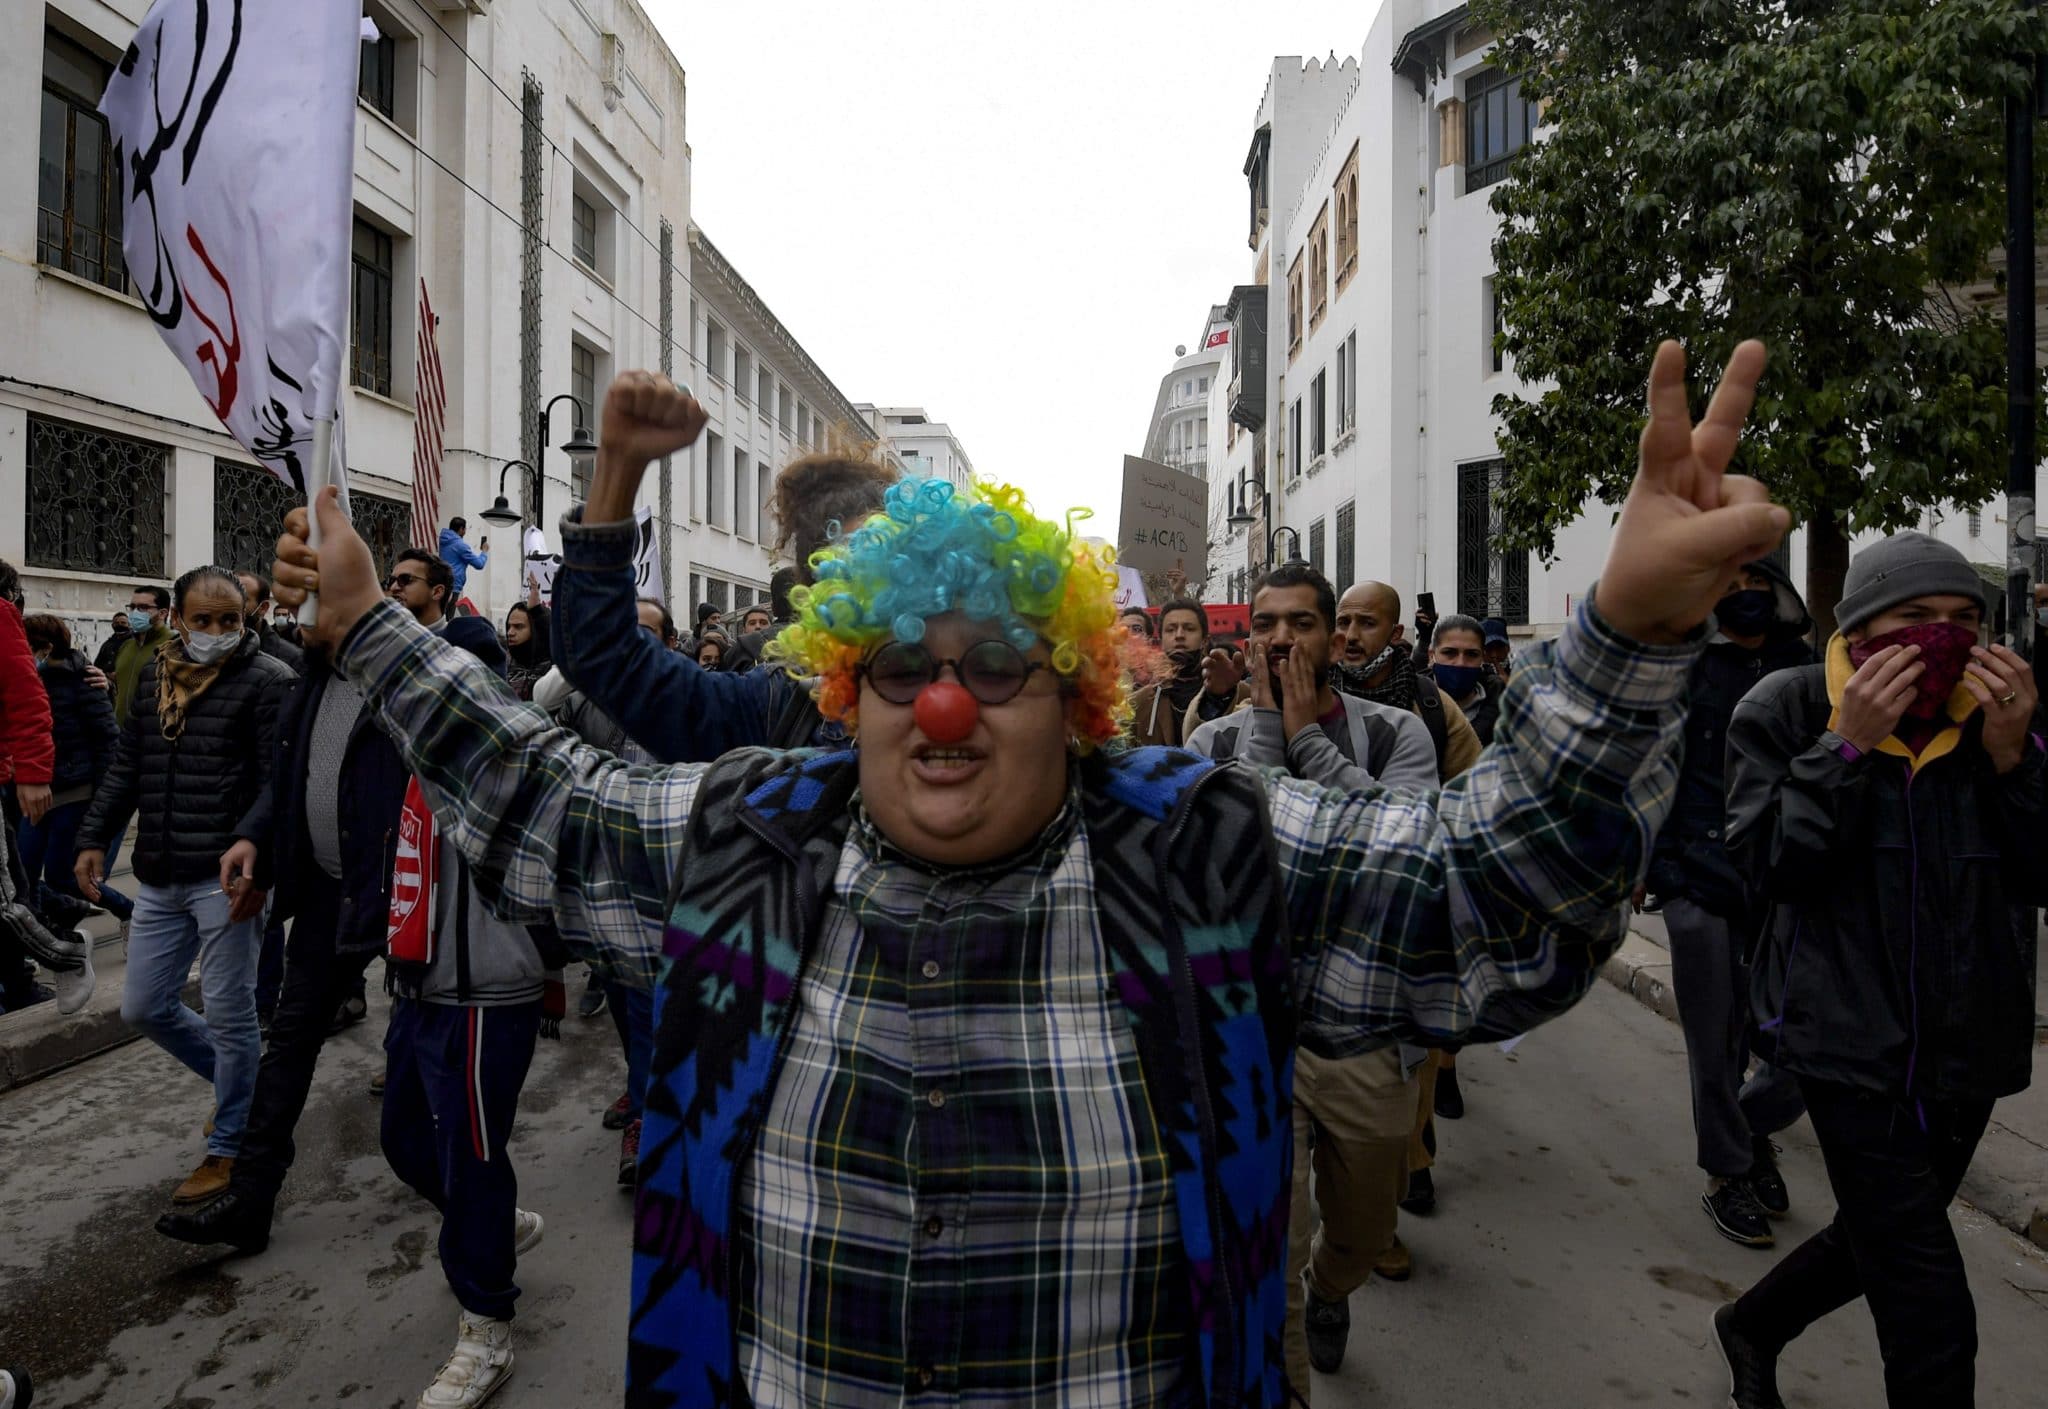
647,416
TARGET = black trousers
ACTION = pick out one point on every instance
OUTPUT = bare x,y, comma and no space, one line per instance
316,979
17,970
1894,1170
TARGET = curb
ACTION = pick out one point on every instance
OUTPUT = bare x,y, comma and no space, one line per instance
2004,1182
39,1041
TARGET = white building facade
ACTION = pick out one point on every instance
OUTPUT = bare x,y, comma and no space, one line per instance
527,164
920,445
1375,438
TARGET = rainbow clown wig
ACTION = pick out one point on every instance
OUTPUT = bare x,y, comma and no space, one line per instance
935,548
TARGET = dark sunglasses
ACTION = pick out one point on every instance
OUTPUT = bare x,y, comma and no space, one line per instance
991,671
401,579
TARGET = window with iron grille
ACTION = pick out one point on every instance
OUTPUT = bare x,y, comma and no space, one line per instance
1490,582
95,500
1498,123
249,504
377,80
370,352
1347,546
78,180
583,232
1976,523
1315,545
384,524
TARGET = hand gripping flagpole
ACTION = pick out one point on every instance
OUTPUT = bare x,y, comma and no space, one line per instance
323,454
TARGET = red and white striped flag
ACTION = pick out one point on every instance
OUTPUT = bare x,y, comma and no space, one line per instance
428,425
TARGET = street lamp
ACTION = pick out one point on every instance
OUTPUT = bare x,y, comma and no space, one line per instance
502,513
1242,517
579,447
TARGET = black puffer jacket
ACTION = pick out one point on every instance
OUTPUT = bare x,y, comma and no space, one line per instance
195,795
1899,951
81,723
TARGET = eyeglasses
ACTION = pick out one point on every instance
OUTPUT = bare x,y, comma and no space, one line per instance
991,671
401,579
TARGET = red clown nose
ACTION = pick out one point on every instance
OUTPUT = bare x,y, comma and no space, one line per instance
945,712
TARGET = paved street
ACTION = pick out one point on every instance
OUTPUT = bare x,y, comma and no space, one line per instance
1569,1263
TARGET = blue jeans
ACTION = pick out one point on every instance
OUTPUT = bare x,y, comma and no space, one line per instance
48,849
173,923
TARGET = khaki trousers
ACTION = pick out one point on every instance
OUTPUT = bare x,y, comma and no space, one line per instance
1362,1111
1419,1156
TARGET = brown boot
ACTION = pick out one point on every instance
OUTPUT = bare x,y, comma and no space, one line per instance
1395,1264
209,1181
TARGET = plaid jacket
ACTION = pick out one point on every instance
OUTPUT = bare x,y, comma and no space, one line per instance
1467,915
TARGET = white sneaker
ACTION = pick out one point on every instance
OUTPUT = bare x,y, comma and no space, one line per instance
75,986
481,1362
527,1229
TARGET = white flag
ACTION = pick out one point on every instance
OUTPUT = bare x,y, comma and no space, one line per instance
647,556
236,122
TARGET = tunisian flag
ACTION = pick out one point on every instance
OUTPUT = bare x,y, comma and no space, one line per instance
236,124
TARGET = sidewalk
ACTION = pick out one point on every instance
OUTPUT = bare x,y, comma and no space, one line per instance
2008,1181
37,1041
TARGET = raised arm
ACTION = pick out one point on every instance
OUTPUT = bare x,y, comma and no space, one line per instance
1479,912
1483,910
666,702
555,830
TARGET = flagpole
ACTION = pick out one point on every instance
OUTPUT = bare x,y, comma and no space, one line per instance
323,453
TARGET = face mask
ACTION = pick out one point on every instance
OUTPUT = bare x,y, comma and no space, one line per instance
1944,650
202,649
138,621
1457,681
1748,612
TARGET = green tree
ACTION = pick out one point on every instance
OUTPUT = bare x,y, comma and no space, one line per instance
1823,174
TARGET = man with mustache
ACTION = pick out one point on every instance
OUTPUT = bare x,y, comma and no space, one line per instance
962,1088
1158,712
1374,663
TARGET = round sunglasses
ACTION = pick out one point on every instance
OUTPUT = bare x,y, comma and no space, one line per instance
991,671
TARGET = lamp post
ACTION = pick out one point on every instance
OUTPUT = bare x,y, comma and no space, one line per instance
501,513
1242,517
579,447
2020,352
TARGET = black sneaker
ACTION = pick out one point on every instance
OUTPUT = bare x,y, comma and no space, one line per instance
592,1002
1752,1370
1450,1101
1421,1197
1766,1182
347,1013
237,1218
17,1390
1329,1326
1737,1215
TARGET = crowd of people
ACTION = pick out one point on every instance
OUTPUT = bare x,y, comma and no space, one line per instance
858,940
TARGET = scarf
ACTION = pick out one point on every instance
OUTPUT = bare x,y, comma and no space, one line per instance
1398,689
179,684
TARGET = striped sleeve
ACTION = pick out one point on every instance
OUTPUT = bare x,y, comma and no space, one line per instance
557,831
1481,910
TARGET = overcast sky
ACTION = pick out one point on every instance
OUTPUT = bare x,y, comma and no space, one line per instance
1007,214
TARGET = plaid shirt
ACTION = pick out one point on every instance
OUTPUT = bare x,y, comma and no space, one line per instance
1439,917
959,1187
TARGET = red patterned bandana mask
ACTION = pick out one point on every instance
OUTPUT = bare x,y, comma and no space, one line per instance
1945,651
